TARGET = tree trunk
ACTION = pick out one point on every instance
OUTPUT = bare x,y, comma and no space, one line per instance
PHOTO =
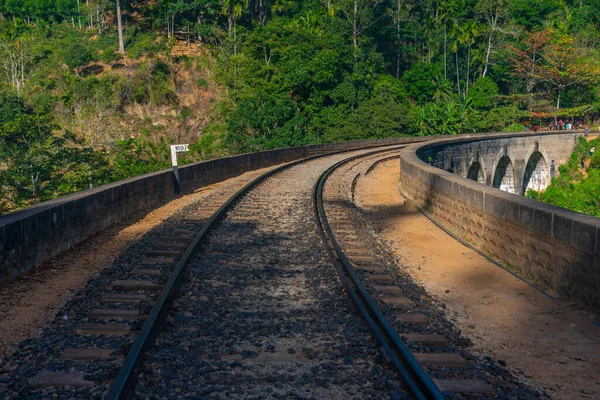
120,27
468,71
445,53
355,30
90,180
487,55
457,74
263,13
398,38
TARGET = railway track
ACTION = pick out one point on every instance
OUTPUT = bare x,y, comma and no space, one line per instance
237,298
102,327
109,324
426,352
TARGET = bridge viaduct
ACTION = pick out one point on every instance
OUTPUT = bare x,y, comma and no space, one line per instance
456,180
512,164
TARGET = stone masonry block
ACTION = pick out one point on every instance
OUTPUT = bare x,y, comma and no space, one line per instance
44,222
495,205
89,211
2,241
474,197
562,229
584,236
68,212
526,217
14,234
441,184
58,217
29,228
512,212
79,210
543,222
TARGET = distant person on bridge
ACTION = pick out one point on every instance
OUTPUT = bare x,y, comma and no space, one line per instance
535,128
587,130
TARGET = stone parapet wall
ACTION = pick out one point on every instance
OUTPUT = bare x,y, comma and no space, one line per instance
32,236
558,247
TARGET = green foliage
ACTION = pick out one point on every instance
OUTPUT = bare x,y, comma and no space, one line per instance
483,93
575,188
497,119
202,83
532,14
76,55
420,82
39,163
265,122
137,156
447,115
516,127
144,44
151,84
109,55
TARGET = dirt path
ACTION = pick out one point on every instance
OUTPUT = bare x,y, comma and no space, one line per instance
29,301
548,342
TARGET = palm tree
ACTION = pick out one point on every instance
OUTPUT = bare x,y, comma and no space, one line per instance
465,34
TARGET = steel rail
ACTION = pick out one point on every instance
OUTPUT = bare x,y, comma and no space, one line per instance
375,164
417,382
124,378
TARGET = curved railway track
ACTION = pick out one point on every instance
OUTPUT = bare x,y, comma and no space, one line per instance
420,345
109,325
239,282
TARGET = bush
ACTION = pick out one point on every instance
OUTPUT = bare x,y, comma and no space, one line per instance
161,93
144,44
109,55
420,81
483,93
77,56
514,128
202,84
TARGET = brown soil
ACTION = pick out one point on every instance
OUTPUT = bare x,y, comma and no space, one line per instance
27,303
550,343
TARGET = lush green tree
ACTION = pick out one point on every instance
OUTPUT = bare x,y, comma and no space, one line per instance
576,188
533,14
36,157
420,81
483,93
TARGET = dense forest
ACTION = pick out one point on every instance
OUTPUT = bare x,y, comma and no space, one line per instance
93,91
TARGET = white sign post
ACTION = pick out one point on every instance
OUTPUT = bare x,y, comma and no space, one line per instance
177,148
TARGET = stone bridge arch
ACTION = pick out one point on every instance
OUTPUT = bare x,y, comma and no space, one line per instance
476,169
536,174
451,164
504,172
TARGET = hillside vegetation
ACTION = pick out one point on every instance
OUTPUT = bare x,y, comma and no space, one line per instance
79,107
578,185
